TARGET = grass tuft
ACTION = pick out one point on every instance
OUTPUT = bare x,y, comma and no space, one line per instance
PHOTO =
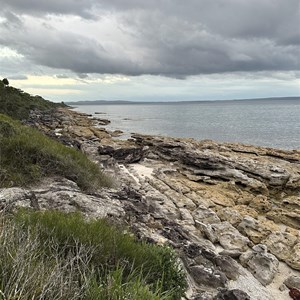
57,256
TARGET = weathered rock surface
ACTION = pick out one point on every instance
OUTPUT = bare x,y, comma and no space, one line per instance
213,202
293,282
232,295
63,195
261,264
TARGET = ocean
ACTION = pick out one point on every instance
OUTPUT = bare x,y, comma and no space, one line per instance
271,123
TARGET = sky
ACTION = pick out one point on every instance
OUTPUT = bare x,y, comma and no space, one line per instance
154,50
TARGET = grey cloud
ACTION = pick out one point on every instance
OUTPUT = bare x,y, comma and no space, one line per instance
18,77
82,76
44,7
61,76
171,38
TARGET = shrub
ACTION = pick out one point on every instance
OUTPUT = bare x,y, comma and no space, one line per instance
26,155
52,255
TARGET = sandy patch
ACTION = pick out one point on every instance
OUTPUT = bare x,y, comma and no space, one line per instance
142,170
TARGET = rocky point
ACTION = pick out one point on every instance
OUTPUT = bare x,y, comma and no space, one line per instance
231,211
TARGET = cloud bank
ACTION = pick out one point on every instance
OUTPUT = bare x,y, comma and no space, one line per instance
168,38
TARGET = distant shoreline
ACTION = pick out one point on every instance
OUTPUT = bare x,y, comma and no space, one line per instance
118,102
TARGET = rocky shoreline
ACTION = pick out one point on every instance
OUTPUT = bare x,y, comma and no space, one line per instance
231,211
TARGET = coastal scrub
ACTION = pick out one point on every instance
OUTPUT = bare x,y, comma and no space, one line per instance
26,156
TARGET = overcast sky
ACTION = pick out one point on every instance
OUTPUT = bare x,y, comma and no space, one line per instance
151,50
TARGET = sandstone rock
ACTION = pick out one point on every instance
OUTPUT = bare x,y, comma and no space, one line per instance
223,201
280,244
232,295
261,204
230,215
82,132
294,259
293,282
208,277
63,195
261,264
200,200
292,202
256,230
126,153
232,253
246,211
206,216
173,184
186,216
101,134
289,218
228,266
180,200
229,237
12,197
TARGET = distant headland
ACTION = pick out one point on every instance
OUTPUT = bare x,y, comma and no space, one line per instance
118,102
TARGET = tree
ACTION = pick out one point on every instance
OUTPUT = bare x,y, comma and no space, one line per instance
5,81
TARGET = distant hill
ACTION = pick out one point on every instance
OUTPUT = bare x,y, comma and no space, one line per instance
105,102
18,104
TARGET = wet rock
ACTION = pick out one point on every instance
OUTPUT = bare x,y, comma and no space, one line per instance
261,264
127,154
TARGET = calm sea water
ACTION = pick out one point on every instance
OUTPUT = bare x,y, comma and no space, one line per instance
272,123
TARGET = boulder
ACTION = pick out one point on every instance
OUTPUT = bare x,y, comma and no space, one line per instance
257,230
232,295
208,276
280,244
294,259
227,265
293,282
261,264
229,237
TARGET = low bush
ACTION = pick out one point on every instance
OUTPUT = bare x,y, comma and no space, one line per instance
52,255
26,155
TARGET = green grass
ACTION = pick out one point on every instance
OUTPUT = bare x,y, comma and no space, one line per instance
26,156
52,255
18,104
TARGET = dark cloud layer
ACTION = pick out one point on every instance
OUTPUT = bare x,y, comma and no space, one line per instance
171,38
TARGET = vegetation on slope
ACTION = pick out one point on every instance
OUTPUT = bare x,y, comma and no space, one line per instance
26,155
18,104
54,256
